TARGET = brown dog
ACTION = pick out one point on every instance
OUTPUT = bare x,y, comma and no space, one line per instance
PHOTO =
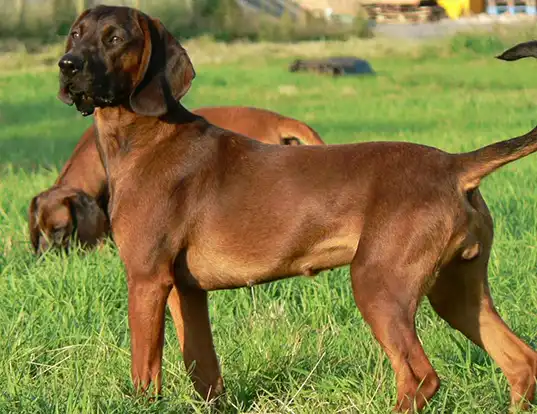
408,218
76,204
261,125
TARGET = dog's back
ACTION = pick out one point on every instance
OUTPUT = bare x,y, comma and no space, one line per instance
260,124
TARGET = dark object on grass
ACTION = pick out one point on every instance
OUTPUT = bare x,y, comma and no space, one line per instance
520,51
337,66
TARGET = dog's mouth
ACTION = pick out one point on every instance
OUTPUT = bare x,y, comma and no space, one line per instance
86,101
47,243
59,239
84,104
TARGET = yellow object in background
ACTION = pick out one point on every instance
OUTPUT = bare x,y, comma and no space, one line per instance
455,8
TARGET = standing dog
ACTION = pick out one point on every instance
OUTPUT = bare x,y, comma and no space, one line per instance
229,212
75,205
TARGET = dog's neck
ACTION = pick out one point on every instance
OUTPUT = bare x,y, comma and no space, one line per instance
111,124
119,128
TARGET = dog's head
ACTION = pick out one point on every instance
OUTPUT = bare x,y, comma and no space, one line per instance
59,214
118,56
520,51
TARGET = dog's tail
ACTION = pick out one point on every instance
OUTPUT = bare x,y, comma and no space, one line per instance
520,51
291,130
474,166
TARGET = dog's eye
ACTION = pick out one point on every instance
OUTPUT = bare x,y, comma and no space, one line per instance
75,35
115,40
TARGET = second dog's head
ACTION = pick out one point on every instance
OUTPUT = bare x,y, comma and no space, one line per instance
118,56
60,214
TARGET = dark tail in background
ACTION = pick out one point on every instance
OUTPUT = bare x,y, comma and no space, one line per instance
474,166
520,51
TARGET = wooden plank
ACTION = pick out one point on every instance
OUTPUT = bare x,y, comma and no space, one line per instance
392,2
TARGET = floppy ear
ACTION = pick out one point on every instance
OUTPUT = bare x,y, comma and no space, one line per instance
520,51
63,94
32,224
89,220
291,141
165,74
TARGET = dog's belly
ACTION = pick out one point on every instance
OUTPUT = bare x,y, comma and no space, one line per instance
215,267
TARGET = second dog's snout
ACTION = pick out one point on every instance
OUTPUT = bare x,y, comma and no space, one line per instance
70,64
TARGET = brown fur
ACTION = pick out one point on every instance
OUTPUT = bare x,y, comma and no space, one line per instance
228,212
59,213
84,170
264,126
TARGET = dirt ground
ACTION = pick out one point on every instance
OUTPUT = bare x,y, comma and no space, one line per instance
447,27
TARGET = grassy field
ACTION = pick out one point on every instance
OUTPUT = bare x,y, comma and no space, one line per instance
297,346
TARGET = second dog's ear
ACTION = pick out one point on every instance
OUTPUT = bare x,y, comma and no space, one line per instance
32,224
91,223
520,51
291,141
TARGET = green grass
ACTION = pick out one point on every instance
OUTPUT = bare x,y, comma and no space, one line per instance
296,346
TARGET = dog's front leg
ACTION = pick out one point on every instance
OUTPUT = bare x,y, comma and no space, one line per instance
148,292
190,313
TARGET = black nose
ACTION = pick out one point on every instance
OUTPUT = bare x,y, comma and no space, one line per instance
70,64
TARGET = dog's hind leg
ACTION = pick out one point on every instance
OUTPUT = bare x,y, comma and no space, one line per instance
387,289
461,296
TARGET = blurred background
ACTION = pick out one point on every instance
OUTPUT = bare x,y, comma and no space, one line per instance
282,20
275,20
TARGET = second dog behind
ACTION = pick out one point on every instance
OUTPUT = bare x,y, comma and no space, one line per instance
76,205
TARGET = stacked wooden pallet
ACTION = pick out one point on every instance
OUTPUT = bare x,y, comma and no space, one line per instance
403,11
